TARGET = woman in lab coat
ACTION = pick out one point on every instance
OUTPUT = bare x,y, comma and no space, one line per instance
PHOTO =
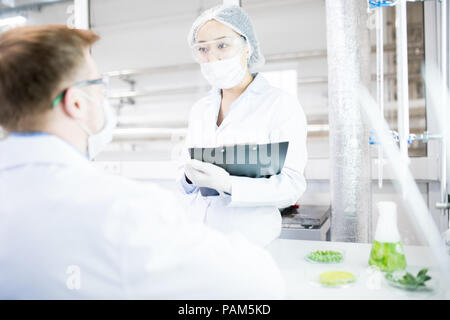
241,108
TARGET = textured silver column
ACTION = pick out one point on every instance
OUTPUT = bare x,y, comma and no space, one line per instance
348,66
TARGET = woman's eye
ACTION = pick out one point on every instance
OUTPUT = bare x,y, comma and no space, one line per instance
222,45
202,50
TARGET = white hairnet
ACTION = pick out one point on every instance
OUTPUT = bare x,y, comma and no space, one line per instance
234,17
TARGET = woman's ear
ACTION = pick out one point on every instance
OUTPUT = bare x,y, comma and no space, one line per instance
248,52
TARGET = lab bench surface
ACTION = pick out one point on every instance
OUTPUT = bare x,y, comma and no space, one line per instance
301,275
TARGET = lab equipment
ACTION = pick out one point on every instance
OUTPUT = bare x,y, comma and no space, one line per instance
348,55
444,57
380,84
381,4
370,284
416,207
405,280
325,256
402,79
336,278
307,223
387,249
234,17
440,98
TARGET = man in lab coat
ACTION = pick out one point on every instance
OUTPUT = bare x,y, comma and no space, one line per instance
68,231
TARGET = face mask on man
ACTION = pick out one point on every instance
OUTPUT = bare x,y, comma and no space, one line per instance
224,74
98,141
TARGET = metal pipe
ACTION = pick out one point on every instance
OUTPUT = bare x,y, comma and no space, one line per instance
121,134
444,106
380,86
402,78
233,2
81,14
274,58
162,92
293,56
202,88
348,66
31,6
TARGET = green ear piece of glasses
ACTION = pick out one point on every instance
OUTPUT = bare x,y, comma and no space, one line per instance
104,80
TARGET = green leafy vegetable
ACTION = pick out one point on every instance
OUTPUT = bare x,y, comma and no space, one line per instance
387,256
327,256
408,280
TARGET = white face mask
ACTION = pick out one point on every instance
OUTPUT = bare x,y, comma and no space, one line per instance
224,74
98,141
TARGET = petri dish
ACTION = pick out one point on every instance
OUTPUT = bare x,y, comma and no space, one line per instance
336,278
394,280
325,256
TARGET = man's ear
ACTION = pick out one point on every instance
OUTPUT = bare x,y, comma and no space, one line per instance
74,105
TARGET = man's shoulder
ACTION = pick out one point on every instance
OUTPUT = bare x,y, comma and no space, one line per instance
118,185
114,192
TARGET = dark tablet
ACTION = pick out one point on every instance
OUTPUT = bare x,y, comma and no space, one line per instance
247,160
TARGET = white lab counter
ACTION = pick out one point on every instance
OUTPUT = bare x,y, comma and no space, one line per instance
300,274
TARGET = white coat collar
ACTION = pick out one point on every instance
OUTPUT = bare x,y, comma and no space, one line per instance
258,86
17,150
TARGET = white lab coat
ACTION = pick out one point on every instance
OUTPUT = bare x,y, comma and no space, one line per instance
69,231
262,114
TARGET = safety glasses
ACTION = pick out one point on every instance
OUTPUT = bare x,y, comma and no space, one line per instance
224,48
104,81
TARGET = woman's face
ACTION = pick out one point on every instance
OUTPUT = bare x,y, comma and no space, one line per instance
214,30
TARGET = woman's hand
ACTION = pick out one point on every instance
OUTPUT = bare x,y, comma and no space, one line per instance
207,175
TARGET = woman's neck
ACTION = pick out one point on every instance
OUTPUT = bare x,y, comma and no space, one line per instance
230,95
239,89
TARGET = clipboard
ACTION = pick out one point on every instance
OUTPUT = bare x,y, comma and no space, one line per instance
245,160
